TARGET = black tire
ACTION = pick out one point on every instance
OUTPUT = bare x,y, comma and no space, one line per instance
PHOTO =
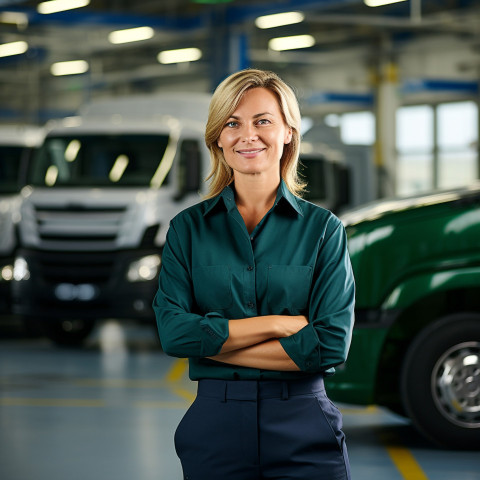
440,381
66,332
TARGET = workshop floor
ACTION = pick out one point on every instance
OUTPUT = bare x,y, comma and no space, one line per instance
109,410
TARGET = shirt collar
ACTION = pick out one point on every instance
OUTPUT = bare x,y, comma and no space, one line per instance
228,197
289,197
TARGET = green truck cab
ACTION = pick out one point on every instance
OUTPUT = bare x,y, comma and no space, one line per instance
416,343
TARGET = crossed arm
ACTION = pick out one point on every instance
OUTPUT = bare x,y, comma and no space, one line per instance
253,342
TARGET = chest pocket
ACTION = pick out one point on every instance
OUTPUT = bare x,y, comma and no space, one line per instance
288,287
212,286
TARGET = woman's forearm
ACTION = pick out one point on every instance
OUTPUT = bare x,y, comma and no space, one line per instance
268,355
246,332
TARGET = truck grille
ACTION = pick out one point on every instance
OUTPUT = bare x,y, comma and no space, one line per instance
80,268
78,228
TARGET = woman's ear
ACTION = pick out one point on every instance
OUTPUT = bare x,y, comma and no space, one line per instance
288,136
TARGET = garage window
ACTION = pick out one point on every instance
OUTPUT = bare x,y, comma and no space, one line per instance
457,132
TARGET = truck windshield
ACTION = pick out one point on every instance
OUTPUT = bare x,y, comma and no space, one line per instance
10,166
98,161
312,171
328,182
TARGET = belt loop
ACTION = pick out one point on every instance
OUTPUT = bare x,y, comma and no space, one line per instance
224,392
284,390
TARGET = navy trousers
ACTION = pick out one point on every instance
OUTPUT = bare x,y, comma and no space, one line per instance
256,430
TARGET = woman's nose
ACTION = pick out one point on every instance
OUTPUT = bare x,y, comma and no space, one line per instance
249,133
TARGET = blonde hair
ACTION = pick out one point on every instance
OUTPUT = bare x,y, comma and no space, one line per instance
225,101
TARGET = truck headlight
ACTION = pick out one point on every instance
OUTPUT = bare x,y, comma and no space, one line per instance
6,273
144,269
20,269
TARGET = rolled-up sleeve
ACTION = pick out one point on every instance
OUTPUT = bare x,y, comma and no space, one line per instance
182,332
325,341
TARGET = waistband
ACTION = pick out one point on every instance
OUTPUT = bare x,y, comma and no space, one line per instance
255,389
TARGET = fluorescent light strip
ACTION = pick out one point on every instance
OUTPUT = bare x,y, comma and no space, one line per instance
54,6
180,55
291,43
130,35
279,19
14,18
74,67
380,3
13,48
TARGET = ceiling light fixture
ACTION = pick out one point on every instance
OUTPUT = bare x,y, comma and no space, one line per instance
13,48
180,55
54,6
279,19
131,35
14,18
291,43
380,3
74,67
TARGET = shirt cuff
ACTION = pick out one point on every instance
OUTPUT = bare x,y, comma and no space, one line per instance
303,348
215,333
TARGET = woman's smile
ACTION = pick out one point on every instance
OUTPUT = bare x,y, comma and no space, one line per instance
250,153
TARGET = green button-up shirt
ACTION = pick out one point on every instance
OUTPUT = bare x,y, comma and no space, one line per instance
294,262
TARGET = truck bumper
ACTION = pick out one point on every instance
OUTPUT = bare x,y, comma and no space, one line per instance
86,285
356,380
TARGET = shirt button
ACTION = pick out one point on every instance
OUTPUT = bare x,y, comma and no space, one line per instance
250,305
251,239
249,268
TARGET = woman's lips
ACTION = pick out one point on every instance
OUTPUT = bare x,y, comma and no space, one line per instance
250,152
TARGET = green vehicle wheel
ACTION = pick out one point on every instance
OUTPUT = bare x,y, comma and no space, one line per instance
440,381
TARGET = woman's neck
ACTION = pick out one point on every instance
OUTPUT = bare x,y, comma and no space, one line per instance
254,198
253,193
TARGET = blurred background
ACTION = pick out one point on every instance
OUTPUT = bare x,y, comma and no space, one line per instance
102,112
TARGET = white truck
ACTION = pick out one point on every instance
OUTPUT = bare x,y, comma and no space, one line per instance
17,143
101,192
340,176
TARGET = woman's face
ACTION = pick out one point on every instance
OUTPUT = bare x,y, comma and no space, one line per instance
254,136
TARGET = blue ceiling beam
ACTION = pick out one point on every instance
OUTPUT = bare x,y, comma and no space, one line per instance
238,14
363,99
440,85
231,14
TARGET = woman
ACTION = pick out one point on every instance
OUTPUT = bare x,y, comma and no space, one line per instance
256,289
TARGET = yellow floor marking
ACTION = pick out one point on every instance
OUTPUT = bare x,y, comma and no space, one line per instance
370,410
176,378
188,395
406,463
178,370
51,402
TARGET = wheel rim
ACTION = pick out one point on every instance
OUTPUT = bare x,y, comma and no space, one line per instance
456,384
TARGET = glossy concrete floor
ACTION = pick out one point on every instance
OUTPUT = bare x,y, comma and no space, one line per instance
108,411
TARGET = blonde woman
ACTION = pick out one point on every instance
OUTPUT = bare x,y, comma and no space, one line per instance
256,289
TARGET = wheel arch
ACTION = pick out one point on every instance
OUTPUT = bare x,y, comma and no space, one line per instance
420,301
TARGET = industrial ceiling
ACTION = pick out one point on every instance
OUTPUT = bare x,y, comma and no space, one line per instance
224,31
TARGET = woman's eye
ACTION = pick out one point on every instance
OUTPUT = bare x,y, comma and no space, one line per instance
263,121
231,124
